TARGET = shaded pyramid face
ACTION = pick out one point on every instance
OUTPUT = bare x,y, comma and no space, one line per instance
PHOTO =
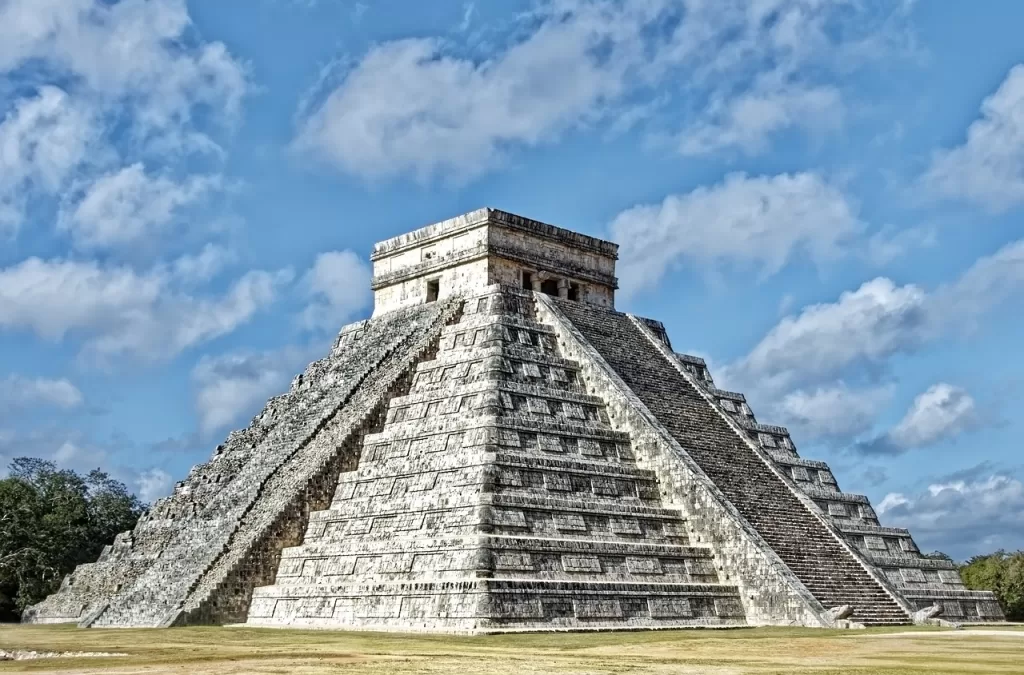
834,557
923,582
195,556
497,497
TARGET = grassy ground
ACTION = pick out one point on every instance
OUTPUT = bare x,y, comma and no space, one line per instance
199,651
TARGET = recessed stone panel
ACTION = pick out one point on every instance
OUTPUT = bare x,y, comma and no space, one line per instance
508,518
568,522
578,563
597,608
669,608
643,565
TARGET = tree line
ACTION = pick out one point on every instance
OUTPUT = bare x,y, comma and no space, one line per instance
1003,574
52,520
1000,572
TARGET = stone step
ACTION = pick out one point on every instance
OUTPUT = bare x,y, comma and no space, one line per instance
484,321
495,426
493,354
589,465
790,528
595,506
539,389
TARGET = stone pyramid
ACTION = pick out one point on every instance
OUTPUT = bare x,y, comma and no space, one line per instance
498,449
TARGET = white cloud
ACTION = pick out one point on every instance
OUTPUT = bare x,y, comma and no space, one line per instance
863,327
988,168
770,66
761,222
153,484
748,121
17,392
833,412
127,205
798,369
136,51
418,107
233,387
71,455
940,412
71,449
122,312
132,77
407,107
866,327
42,140
338,285
66,450
961,517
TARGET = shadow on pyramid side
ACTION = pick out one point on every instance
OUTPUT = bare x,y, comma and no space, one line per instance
497,449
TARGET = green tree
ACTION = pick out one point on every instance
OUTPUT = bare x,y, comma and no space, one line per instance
52,520
1003,574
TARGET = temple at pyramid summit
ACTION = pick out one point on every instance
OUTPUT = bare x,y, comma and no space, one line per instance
498,449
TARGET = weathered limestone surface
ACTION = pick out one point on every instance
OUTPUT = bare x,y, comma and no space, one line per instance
771,593
189,544
487,246
816,555
497,449
497,497
889,554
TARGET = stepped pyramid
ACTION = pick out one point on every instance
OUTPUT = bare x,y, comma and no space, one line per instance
498,449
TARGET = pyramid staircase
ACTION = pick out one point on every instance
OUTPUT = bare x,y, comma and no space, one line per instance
497,497
818,558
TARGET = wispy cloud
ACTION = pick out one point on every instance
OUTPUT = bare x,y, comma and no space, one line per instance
121,312
20,392
988,168
940,413
961,517
420,107
754,222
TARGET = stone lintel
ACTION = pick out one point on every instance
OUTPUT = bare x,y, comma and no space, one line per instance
473,219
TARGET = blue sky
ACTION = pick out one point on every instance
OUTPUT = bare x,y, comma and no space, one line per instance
822,198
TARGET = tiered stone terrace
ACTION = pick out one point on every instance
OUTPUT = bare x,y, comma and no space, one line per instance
497,497
196,555
817,558
497,449
924,582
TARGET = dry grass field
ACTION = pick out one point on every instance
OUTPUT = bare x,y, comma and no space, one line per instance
199,651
